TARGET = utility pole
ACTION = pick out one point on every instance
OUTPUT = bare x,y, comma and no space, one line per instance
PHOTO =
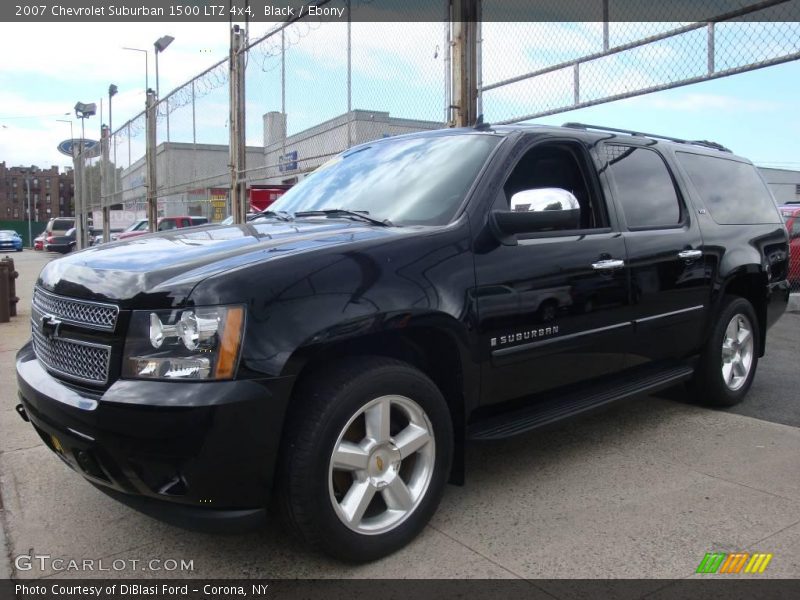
466,15
105,182
150,159
237,126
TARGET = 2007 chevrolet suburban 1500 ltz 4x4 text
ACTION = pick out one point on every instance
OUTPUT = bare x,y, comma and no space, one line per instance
412,294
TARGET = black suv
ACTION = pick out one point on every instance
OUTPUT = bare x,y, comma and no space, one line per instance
414,293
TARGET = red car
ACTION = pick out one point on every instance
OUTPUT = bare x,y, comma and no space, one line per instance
791,214
38,242
164,224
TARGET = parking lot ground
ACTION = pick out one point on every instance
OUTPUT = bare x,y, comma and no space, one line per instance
641,490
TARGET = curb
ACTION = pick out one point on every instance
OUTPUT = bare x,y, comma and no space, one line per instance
794,303
5,557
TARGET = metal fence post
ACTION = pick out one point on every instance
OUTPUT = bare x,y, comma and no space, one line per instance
150,159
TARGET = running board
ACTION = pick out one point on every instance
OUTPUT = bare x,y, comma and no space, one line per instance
555,409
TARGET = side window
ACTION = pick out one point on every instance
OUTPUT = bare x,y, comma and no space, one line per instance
644,187
558,165
165,225
732,191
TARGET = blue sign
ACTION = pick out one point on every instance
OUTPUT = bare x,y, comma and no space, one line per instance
68,146
288,162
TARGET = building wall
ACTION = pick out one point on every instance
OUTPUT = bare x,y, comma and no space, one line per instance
51,193
784,183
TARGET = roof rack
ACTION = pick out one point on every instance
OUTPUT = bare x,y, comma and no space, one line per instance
705,143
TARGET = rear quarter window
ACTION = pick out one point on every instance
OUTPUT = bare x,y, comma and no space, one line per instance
732,191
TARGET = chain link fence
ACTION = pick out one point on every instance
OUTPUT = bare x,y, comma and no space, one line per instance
532,70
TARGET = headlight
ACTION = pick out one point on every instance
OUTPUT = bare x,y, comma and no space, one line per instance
195,343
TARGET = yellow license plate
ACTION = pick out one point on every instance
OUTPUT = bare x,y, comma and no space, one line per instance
57,444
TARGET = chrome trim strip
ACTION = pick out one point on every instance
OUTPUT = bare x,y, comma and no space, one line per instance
67,299
669,314
79,434
537,344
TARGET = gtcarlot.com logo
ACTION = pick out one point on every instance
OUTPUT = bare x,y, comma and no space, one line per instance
46,562
734,563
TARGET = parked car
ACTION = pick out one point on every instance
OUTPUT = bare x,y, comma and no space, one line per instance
10,240
61,243
791,215
38,241
59,226
336,354
164,224
97,238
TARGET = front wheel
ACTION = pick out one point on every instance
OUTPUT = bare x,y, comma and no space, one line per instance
366,458
729,361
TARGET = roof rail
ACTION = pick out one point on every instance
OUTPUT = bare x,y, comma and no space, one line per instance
705,143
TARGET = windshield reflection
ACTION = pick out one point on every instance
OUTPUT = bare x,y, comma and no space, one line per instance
409,181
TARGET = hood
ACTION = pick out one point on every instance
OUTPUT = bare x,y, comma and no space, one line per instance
160,269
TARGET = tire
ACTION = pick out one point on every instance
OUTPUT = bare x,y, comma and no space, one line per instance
318,497
727,366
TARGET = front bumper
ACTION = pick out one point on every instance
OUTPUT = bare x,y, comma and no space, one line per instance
166,448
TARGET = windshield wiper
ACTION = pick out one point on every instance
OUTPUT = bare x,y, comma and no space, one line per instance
281,215
362,215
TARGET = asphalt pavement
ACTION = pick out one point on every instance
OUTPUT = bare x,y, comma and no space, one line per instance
641,490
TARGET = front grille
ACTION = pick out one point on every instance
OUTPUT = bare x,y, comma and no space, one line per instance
94,315
82,361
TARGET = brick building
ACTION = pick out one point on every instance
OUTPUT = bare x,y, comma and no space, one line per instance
52,193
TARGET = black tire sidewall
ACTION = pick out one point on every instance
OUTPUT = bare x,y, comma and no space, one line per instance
333,536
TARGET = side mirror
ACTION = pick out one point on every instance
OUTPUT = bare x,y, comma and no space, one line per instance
535,210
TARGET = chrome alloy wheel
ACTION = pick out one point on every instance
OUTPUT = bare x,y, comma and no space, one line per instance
737,352
382,464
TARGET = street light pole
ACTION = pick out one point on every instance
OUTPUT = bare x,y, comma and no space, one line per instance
160,45
82,111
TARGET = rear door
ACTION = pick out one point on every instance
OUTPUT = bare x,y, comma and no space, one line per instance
670,281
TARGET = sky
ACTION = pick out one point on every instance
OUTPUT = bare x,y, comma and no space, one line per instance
397,67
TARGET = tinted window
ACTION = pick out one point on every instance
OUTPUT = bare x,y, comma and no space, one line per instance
62,224
732,191
643,187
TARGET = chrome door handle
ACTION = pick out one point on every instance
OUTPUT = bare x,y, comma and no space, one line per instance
608,265
690,254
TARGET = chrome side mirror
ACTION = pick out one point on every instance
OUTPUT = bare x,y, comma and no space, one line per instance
544,200
541,209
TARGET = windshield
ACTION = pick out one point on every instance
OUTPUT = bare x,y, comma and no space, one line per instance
410,181
137,226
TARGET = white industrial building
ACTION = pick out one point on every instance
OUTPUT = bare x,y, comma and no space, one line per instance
784,183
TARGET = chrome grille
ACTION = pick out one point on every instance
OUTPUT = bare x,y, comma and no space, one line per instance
75,359
94,315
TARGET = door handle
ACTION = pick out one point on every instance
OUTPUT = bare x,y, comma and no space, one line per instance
690,254
608,264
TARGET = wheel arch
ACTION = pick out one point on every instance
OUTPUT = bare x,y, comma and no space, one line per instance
437,349
751,283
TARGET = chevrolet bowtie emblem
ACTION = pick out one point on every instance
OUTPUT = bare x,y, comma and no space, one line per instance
379,461
49,326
